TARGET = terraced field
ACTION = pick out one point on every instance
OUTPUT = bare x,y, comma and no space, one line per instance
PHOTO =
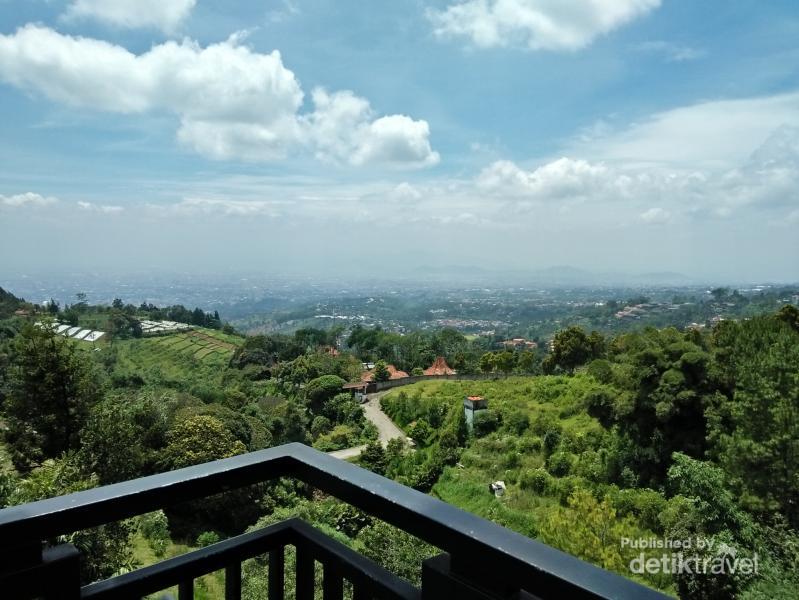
197,355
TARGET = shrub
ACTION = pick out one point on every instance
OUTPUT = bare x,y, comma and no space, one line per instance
536,480
206,538
517,422
560,463
154,527
485,421
421,432
551,441
530,444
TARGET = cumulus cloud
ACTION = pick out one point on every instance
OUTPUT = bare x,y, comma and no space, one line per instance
26,199
562,178
343,129
767,180
232,102
165,15
536,24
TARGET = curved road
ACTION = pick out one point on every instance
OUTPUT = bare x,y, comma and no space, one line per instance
386,428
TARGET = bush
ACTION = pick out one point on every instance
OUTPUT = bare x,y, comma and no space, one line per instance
551,441
512,460
320,425
560,463
530,445
517,422
536,480
485,421
154,527
420,432
206,538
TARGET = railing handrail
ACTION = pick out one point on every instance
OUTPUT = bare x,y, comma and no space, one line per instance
474,542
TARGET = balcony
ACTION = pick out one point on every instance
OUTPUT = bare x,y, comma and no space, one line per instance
481,560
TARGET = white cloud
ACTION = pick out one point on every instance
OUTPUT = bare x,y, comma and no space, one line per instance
101,208
343,129
670,51
165,15
26,199
655,216
562,178
537,24
767,181
717,134
232,102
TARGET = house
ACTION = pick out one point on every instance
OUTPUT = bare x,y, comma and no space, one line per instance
393,373
519,344
439,367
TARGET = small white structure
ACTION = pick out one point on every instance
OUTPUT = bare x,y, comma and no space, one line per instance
497,488
75,333
471,405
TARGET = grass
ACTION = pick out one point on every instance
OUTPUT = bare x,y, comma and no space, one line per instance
507,455
200,355
207,587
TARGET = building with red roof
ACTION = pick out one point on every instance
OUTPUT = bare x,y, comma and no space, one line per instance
439,367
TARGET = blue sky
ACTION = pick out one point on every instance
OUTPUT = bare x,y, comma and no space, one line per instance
615,135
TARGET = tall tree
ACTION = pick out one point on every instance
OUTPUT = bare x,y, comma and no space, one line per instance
53,386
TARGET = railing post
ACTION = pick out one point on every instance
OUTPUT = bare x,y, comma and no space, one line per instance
49,574
61,574
439,581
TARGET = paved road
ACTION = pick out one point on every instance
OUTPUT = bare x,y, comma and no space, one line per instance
386,428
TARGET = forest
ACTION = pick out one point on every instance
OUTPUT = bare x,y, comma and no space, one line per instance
657,432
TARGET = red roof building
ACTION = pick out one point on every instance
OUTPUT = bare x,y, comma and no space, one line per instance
393,373
439,367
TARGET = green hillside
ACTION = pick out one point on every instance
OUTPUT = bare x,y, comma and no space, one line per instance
199,356
538,438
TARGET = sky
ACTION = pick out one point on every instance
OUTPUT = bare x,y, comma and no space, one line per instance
340,137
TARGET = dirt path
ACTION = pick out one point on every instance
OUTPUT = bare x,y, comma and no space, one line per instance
386,428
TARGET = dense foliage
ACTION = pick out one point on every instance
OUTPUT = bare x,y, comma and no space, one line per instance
659,432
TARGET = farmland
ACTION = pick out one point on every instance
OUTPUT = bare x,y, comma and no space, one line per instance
199,355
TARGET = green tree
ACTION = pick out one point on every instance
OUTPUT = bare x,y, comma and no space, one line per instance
488,362
322,389
572,347
52,388
200,439
104,550
505,361
381,371
374,457
589,530
398,551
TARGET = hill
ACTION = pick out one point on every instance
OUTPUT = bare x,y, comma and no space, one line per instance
192,357
9,303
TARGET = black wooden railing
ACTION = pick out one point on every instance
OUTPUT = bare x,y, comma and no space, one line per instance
481,560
